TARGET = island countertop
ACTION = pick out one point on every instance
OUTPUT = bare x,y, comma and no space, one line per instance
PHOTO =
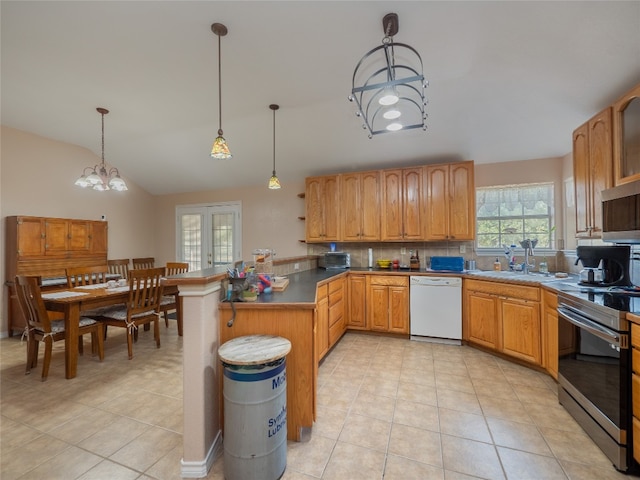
300,292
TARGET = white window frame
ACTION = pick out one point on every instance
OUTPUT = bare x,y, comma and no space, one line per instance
494,251
206,212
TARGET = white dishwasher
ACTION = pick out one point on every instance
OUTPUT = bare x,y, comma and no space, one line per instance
436,309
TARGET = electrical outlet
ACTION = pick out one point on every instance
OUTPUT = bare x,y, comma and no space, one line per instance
463,248
296,266
403,251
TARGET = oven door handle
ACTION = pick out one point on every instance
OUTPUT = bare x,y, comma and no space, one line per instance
592,327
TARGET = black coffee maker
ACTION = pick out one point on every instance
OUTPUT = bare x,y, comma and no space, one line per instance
604,266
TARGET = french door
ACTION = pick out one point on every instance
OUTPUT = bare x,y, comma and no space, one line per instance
209,235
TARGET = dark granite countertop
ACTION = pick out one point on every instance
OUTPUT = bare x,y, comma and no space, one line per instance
301,290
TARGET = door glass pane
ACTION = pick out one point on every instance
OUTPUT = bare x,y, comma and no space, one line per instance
222,230
191,240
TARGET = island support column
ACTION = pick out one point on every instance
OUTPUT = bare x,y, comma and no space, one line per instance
202,436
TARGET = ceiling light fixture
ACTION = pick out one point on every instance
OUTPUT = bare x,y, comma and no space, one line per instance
274,183
99,178
385,90
220,148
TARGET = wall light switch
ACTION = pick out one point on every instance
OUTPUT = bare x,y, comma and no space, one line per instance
403,251
463,248
296,266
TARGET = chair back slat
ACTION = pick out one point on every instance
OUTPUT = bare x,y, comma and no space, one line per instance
79,276
31,303
119,267
146,262
175,268
145,290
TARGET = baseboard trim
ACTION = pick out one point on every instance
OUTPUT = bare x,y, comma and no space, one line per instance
201,469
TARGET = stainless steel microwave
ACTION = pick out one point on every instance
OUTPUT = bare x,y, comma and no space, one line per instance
335,260
621,213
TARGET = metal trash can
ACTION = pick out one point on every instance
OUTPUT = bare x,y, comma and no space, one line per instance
255,407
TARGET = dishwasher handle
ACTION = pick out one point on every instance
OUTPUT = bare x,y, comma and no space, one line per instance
426,281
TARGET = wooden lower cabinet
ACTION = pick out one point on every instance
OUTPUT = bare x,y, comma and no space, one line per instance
330,315
337,325
357,318
503,317
521,329
635,384
550,332
387,303
483,319
297,326
322,322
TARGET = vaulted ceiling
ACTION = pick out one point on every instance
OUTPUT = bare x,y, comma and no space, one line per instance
509,80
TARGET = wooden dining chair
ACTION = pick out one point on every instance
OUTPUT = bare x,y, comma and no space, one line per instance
170,302
146,262
119,267
82,276
40,328
142,307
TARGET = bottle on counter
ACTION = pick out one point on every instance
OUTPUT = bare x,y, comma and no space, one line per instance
497,266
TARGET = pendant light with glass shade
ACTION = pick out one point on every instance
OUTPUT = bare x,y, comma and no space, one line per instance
274,183
99,179
220,148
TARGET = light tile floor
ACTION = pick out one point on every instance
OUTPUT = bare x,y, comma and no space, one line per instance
387,408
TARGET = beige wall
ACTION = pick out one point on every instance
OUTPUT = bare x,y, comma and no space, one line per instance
532,171
269,218
37,176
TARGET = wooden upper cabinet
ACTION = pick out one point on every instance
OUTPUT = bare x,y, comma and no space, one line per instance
437,204
462,202
581,179
360,206
29,238
67,236
98,238
593,171
56,236
412,203
626,138
449,202
434,202
391,227
402,204
79,236
322,196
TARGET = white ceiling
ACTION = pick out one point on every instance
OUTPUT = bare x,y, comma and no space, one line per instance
508,81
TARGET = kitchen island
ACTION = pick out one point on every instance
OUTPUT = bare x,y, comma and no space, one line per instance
291,314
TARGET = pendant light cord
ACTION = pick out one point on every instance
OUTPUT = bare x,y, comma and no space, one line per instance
102,138
219,86
274,141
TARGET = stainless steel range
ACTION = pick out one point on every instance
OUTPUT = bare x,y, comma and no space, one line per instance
594,371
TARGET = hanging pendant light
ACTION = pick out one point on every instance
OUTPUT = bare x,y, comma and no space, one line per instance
220,148
99,179
274,183
388,83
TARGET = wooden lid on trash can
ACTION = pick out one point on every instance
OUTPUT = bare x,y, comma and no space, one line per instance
254,349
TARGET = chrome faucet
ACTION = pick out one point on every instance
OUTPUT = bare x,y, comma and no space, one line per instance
528,246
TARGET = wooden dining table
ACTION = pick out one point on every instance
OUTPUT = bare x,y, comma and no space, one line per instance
73,301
